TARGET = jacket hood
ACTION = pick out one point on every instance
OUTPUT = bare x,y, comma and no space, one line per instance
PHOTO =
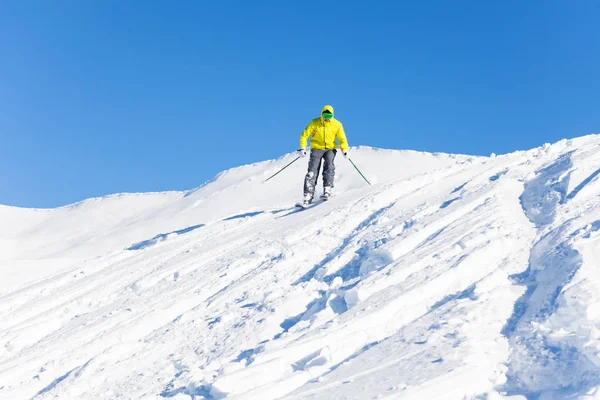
327,108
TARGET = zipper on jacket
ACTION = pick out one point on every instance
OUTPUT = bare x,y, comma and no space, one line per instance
324,135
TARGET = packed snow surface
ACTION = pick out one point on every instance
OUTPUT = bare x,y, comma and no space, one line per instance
451,277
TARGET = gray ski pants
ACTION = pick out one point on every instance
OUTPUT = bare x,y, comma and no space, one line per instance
314,166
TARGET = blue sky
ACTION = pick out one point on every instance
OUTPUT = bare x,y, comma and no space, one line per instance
133,96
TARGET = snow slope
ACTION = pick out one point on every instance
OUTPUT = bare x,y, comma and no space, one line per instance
451,277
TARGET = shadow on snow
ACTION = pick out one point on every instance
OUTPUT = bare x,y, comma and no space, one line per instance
161,237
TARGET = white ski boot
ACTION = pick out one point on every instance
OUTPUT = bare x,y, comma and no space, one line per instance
307,201
326,193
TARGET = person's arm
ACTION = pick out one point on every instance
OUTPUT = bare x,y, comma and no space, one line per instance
305,135
341,135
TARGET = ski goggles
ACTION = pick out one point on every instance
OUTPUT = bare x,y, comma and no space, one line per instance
327,115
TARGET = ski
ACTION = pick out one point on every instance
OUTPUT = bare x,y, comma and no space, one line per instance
314,203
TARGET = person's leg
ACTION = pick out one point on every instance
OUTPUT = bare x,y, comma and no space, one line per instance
314,166
328,171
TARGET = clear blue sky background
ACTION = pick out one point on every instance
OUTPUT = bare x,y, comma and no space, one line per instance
99,97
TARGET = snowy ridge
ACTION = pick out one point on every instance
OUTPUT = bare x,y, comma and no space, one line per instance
452,277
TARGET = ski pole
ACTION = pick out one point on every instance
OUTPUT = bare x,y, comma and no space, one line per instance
272,176
349,159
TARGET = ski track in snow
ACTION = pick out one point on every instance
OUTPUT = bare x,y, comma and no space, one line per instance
451,277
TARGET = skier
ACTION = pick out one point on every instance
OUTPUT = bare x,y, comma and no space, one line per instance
323,132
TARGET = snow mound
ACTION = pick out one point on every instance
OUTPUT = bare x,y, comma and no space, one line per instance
451,277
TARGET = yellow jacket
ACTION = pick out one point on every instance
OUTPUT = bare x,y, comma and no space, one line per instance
323,134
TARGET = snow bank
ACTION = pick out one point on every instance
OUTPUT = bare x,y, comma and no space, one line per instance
451,277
